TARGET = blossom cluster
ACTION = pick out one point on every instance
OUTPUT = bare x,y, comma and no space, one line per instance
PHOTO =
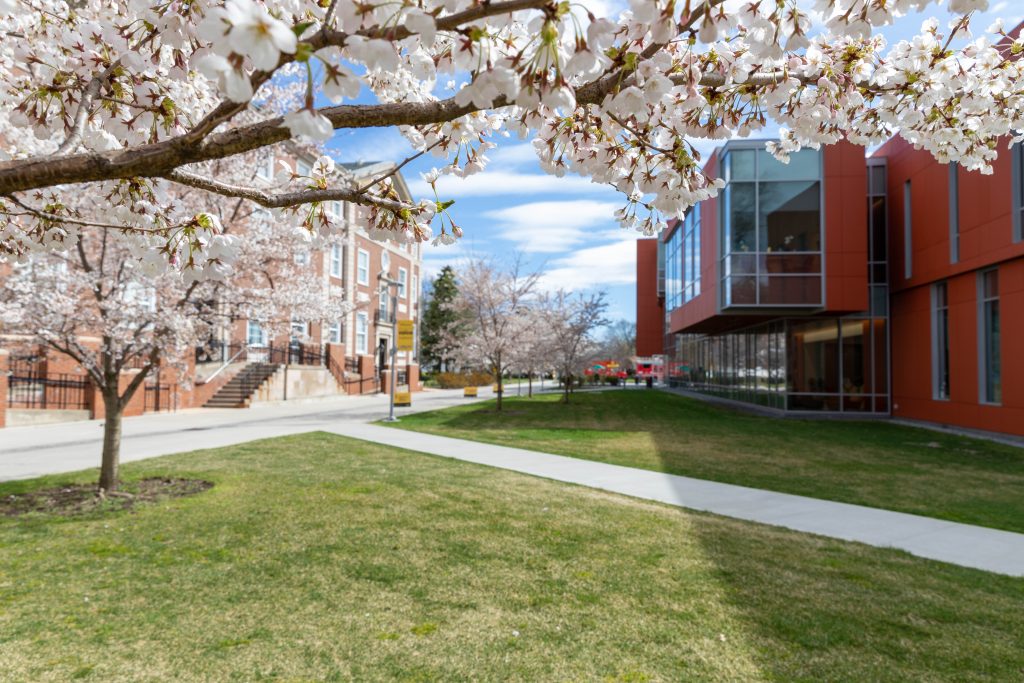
618,99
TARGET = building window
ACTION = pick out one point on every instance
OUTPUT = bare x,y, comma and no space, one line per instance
266,168
673,252
691,254
334,332
403,277
255,334
383,306
303,168
299,330
362,333
1017,159
908,242
940,341
302,257
415,289
363,267
954,212
336,260
771,230
337,209
385,262
989,366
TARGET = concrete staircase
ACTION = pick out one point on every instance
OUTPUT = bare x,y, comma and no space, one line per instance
239,389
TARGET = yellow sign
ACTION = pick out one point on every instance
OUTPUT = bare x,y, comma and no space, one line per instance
469,392
405,335
495,389
403,398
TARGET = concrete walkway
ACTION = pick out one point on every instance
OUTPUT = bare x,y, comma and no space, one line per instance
33,451
962,544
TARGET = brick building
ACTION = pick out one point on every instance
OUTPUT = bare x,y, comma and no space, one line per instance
886,285
242,363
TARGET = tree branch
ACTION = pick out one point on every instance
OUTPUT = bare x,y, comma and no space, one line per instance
81,116
282,199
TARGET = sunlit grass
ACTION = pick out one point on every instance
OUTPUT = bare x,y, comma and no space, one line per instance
874,463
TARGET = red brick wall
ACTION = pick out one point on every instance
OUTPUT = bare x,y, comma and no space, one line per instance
650,310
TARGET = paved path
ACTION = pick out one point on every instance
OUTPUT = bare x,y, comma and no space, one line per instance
31,451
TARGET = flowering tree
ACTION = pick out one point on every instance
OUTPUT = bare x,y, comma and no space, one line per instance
140,95
534,352
573,319
493,304
116,315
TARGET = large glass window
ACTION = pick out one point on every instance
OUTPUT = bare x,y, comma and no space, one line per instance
691,254
813,372
954,212
989,337
771,230
908,232
1017,158
940,341
673,270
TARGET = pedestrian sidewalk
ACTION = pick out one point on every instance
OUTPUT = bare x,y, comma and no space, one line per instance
961,544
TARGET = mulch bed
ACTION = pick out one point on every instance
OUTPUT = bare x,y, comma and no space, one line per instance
76,499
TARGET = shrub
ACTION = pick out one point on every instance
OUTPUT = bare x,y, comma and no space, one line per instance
458,380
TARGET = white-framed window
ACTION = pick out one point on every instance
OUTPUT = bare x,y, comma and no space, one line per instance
140,294
302,257
403,278
415,289
337,209
334,332
336,261
303,167
362,332
363,267
383,305
300,330
266,168
255,335
385,262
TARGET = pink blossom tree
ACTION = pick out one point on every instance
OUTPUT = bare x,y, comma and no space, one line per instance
573,318
493,306
138,96
121,317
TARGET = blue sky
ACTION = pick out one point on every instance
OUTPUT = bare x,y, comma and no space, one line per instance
563,226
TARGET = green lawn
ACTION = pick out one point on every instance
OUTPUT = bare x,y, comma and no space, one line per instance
870,463
322,558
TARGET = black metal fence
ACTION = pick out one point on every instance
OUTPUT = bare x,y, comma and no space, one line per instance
161,397
36,391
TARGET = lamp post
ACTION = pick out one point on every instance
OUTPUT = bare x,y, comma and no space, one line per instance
394,342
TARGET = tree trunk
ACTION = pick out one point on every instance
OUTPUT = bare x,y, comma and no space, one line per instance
111,442
567,382
530,393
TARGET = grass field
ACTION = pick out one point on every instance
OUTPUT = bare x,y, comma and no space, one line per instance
877,463
321,558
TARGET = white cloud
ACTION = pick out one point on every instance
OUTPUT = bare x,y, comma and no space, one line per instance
552,226
495,183
599,267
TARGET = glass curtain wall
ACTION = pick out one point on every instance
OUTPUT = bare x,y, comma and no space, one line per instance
771,229
673,270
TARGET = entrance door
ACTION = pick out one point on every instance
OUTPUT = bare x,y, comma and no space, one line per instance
382,355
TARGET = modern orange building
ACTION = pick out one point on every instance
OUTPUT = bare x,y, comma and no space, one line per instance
882,285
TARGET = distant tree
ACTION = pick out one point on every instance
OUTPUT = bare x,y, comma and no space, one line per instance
572,320
440,329
533,355
494,302
619,343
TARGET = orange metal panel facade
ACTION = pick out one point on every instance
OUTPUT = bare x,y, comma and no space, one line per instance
650,311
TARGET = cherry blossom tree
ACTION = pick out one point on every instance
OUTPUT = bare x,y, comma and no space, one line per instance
573,318
138,96
534,352
493,304
104,305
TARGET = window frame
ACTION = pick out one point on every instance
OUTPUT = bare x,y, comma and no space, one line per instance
362,322
363,267
252,325
265,171
334,332
337,263
1017,173
908,230
940,341
985,343
403,281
